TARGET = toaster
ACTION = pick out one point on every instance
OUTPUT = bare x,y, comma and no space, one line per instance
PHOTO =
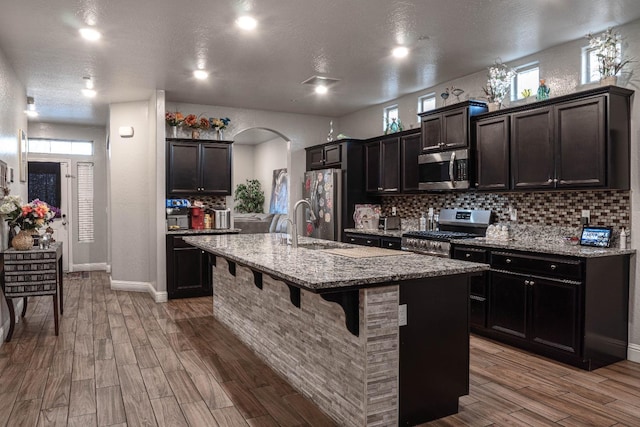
389,223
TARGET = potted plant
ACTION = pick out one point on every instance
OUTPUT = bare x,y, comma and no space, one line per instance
219,125
607,49
174,120
27,217
249,197
498,84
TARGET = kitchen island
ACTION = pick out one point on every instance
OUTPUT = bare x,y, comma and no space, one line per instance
372,336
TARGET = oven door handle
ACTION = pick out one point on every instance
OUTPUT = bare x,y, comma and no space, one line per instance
451,165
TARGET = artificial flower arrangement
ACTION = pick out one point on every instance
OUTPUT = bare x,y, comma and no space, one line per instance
500,76
196,122
607,49
30,216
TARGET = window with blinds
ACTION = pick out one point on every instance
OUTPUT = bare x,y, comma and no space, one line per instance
85,201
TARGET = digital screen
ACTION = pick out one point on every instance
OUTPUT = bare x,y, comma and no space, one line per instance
463,215
596,236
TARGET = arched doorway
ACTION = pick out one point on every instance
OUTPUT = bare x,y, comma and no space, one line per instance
263,154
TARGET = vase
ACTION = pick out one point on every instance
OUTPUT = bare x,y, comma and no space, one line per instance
173,131
220,134
609,81
195,134
23,240
493,106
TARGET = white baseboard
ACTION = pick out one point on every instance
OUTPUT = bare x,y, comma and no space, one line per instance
96,266
633,353
124,285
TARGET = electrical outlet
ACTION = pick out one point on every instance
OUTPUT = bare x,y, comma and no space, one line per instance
585,217
394,210
513,213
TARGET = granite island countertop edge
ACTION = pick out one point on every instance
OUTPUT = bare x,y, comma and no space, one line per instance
351,272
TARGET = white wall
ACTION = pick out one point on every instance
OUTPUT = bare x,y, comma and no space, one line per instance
269,155
84,253
130,182
242,168
13,100
561,67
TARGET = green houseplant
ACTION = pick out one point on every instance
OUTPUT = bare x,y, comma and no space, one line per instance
249,197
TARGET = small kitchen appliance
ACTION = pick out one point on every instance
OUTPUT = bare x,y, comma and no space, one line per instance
389,223
447,170
197,217
221,219
177,214
454,224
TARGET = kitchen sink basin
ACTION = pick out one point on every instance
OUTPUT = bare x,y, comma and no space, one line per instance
320,246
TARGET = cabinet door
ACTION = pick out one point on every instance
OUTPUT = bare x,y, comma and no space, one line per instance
390,165
508,303
333,155
215,167
410,150
188,270
391,243
581,143
532,157
315,158
362,239
182,168
555,314
454,128
432,132
372,167
492,139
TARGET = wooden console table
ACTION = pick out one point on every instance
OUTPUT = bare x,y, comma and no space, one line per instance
29,273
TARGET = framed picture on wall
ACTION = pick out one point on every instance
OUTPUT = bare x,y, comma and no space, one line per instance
22,145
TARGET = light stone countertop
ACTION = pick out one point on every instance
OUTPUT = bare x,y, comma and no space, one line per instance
205,231
318,270
545,247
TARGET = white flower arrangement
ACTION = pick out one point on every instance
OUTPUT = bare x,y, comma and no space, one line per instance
500,76
607,49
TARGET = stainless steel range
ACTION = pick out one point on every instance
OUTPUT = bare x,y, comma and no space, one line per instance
453,224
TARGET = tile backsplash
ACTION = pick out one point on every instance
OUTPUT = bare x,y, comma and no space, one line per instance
560,208
210,202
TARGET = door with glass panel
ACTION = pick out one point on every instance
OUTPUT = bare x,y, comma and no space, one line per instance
49,181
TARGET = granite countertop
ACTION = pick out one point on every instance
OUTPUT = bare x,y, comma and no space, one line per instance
545,247
318,270
375,232
205,231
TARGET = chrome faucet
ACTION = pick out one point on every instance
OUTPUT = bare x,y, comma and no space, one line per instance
294,223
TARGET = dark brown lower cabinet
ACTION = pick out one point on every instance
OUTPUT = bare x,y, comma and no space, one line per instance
574,310
387,242
188,270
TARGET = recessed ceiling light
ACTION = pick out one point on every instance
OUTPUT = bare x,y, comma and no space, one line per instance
90,34
31,113
400,51
200,74
320,89
89,93
247,23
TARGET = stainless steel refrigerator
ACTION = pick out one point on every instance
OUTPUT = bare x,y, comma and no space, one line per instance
323,189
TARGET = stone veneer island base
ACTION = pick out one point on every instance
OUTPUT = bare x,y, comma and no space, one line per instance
344,344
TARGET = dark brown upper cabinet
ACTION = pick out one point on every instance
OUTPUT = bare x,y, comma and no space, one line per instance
581,140
382,165
448,127
324,156
198,167
492,155
410,148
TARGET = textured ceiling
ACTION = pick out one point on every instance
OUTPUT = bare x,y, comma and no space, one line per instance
156,44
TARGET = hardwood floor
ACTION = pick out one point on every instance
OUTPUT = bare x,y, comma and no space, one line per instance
122,359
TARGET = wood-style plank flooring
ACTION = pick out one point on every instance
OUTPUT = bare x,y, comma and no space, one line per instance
121,359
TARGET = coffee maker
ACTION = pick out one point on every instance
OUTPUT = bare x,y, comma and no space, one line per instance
177,214
196,217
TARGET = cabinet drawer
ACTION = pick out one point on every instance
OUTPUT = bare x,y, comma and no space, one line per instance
178,242
470,254
390,243
363,240
543,266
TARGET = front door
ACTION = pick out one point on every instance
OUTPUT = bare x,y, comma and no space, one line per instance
49,181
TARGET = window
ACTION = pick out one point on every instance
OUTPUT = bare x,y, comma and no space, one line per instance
59,146
390,113
44,182
527,77
426,103
590,65
85,202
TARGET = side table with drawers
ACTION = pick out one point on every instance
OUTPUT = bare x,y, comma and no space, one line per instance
35,272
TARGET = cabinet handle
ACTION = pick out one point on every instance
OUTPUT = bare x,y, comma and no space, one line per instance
531,283
380,188
467,255
389,244
477,184
549,181
527,283
555,180
390,189
553,266
352,239
369,242
508,261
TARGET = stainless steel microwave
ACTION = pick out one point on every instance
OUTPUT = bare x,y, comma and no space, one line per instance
446,170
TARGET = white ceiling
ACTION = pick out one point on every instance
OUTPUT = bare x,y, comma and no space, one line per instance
156,44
